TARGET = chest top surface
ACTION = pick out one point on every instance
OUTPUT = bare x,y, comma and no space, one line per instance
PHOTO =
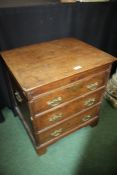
39,64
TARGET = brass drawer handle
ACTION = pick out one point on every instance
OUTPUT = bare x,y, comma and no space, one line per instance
90,102
18,97
56,117
92,86
57,132
86,118
55,101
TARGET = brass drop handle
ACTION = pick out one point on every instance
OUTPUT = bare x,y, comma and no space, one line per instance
92,86
90,102
56,117
57,132
18,97
86,118
54,102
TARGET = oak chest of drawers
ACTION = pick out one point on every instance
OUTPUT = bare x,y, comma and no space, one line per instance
57,87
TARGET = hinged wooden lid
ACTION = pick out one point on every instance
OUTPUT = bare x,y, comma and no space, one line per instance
40,64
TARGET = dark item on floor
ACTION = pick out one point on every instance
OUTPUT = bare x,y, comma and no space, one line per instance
2,119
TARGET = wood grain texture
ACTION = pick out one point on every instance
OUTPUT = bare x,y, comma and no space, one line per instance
40,103
66,110
51,61
57,87
73,122
46,144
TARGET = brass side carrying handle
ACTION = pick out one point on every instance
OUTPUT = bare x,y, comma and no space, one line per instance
57,132
86,118
56,117
54,102
18,97
90,102
92,86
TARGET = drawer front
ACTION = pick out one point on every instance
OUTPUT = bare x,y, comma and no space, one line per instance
70,124
57,97
64,111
